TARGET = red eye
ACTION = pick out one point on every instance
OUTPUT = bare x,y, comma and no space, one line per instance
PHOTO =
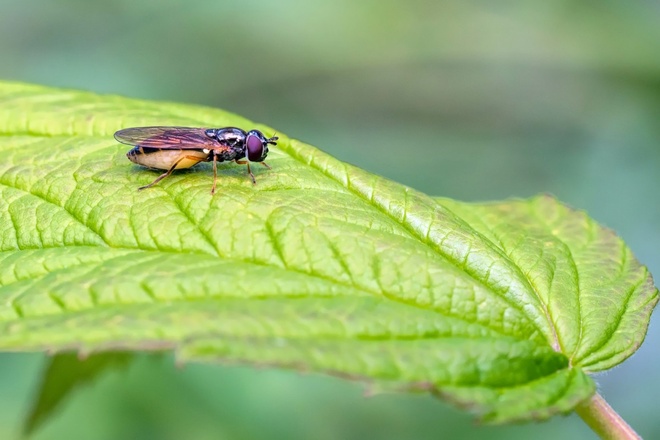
255,148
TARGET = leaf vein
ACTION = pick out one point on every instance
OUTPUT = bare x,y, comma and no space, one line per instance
50,202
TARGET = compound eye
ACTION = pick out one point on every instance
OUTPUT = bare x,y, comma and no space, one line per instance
255,148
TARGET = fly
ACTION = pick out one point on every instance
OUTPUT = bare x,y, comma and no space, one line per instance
173,148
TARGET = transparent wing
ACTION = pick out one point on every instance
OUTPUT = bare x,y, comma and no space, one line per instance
183,138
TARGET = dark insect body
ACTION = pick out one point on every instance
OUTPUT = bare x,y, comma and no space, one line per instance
173,148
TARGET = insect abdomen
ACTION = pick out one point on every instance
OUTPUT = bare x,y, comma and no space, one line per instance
164,159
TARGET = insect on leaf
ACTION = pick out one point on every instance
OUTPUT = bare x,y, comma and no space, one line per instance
502,308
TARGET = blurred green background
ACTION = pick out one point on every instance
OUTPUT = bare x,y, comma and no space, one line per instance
471,99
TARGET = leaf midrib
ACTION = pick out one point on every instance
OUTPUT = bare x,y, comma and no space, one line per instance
384,295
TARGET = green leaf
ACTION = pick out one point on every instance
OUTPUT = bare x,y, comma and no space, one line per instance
501,308
64,373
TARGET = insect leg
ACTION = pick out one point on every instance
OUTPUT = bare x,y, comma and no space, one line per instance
266,165
245,162
215,172
161,177
168,172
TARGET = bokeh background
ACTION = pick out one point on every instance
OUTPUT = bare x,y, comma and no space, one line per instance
470,99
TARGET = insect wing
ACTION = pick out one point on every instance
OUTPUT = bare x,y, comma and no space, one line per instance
183,138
